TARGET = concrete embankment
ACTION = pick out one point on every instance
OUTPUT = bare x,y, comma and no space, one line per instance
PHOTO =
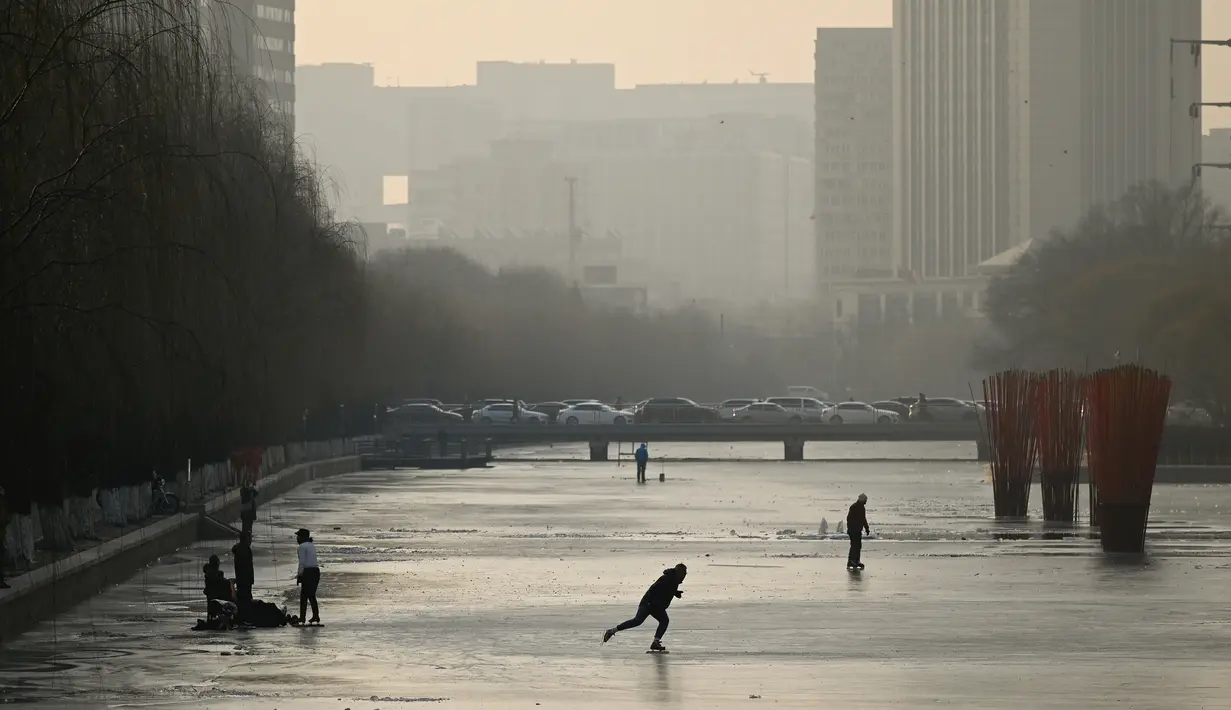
54,588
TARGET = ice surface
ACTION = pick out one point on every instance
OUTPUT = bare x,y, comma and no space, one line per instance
490,589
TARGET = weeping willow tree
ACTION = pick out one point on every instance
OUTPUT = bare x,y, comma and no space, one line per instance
171,283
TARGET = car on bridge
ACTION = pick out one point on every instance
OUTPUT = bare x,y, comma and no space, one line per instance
674,410
1187,413
726,406
806,392
765,413
468,410
893,405
859,413
502,413
551,409
594,413
425,414
397,421
808,409
944,409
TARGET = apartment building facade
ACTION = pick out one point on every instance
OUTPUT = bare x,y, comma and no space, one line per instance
853,219
260,36
1013,118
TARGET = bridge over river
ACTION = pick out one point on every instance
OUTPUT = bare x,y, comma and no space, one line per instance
792,436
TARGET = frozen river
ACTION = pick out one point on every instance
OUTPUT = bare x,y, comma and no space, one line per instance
490,589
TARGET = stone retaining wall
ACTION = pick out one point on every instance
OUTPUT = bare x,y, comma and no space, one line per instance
56,587
58,527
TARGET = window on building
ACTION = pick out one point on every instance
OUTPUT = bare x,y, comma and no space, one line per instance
276,14
269,44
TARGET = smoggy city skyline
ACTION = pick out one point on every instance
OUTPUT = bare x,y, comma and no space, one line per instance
438,42
435,42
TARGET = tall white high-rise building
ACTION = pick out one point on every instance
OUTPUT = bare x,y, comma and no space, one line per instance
853,218
1012,118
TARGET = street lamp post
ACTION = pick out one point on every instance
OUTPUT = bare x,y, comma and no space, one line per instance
1196,175
1194,108
1215,42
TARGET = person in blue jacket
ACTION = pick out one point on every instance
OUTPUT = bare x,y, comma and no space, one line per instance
643,457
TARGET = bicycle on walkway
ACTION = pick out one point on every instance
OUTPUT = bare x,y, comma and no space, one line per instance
163,502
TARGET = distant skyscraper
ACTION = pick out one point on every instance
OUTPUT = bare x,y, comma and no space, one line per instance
951,133
1013,118
1138,88
854,153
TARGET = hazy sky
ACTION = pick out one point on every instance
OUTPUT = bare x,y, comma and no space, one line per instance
437,42
434,42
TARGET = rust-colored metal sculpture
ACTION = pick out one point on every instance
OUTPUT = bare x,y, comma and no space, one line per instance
1010,436
1059,407
1127,409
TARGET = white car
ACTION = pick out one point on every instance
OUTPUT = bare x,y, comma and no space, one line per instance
765,413
859,413
807,408
730,405
1188,414
806,392
594,413
502,413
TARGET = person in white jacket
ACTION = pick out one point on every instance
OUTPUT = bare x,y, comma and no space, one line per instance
308,576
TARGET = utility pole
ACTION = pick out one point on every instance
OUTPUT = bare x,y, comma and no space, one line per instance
572,228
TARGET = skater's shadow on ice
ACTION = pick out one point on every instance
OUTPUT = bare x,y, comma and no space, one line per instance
658,683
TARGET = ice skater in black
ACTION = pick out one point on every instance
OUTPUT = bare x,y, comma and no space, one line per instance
856,526
247,506
655,602
244,576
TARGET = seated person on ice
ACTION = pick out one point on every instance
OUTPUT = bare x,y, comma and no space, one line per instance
223,612
217,586
220,616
